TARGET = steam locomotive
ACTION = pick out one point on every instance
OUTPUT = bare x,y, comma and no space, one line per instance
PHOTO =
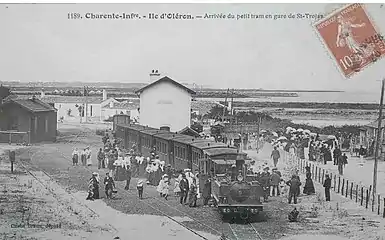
240,197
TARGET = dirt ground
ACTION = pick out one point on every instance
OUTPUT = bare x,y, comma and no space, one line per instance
49,193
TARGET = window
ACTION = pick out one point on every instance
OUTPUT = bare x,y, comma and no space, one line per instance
46,124
13,123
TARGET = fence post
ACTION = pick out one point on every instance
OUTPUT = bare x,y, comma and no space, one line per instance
357,193
339,184
319,175
367,199
347,188
312,169
383,214
343,186
362,196
335,180
378,204
315,175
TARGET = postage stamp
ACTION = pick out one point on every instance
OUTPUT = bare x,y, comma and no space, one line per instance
351,38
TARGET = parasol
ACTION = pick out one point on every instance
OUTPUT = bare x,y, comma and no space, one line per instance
331,137
274,134
282,138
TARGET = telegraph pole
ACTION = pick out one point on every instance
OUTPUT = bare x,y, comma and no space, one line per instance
379,133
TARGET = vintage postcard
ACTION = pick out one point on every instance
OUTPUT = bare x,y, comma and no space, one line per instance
194,121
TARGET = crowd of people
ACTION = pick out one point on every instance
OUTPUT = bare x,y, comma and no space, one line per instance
184,184
150,170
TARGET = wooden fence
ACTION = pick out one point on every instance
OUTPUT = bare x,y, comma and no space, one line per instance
14,137
362,195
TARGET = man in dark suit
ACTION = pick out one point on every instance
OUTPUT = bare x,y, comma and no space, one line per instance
184,188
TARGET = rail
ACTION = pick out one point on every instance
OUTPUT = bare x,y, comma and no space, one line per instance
245,232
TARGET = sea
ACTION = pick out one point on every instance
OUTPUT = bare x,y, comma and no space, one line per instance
320,97
321,117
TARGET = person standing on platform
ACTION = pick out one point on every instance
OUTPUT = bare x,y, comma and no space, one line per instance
206,194
75,157
83,157
274,182
140,187
184,189
128,177
294,184
101,157
275,155
309,185
327,185
88,156
109,185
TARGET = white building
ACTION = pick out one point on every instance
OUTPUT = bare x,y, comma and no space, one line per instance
129,108
68,106
165,103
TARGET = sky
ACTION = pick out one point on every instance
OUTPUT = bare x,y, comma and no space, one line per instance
39,43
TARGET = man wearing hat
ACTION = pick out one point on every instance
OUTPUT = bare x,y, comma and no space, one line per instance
184,189
294,184
327,185
265,182
275,155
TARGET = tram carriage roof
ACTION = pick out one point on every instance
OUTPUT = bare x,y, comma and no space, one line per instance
151,131
186,139
205,145
224,162
165,135
221,151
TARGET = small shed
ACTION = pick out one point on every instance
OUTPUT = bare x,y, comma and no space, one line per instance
28,121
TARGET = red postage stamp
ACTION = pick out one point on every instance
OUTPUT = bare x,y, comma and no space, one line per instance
351,38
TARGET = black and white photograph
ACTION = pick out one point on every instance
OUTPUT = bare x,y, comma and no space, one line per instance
192,120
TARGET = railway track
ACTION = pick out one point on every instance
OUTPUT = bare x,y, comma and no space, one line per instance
245,232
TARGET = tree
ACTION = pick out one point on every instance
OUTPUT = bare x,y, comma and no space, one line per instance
216,112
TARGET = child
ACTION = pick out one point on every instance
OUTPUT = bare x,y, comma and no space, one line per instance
139,186
177,188
283,188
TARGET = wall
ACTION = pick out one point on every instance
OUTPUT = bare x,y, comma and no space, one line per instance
62,109
165,104
20,117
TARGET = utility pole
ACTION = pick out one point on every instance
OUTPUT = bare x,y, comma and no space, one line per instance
379,133
86,102
225,105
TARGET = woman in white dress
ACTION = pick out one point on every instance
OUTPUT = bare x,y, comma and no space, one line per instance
88,156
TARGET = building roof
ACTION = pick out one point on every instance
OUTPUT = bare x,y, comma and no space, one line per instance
72,99
189,131
165,79
32,105
122,105
60,99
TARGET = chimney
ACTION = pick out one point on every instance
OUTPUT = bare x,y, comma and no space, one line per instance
104,95
154,75
165,128
42,94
